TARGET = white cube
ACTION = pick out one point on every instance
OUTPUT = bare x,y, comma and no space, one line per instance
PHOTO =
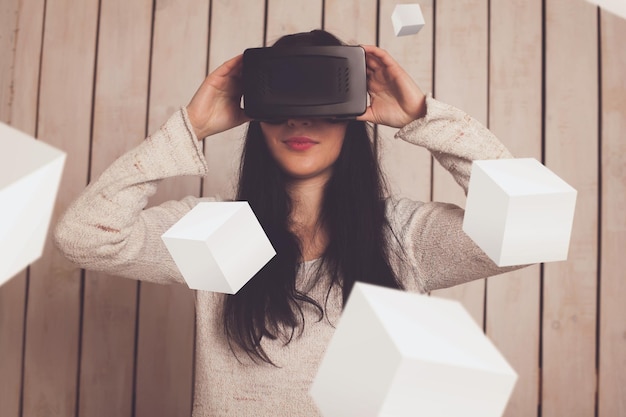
218,246
30,173
402,354
407,19
519,212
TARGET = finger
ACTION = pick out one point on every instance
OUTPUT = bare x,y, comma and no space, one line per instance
243,118
370,49
371,58
375,80
237,63
373,62
368,116
231,67
380,55
234,61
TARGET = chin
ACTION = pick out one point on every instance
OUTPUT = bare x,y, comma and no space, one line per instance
307,175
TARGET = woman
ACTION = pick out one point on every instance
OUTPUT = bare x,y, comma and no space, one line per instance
316,188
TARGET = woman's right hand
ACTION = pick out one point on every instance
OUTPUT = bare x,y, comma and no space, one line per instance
215,107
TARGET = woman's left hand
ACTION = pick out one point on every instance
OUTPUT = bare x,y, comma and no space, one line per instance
395,99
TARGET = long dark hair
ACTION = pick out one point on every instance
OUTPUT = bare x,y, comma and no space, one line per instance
352,213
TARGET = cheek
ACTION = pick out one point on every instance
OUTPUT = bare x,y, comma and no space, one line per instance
337,149
270,138
268,133
338,136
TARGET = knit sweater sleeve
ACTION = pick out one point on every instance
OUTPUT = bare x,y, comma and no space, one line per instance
107,228
430,234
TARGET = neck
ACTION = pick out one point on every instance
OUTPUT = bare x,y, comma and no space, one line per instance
306,196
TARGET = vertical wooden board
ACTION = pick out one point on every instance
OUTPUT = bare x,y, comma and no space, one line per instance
515,116
179,56
352,21
12,302
108,346
571,151
9,10
164,377
408,167
19,74
164,382
53,316
612,382
290,16
228,39
109,308
24,85
461,72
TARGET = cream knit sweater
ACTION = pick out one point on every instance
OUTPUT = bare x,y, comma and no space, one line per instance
108,229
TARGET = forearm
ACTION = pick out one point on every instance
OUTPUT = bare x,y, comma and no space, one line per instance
454,138
107,227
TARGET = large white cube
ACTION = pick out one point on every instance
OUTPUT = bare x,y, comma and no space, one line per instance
30,173
407,19
218,246
519,212
402,354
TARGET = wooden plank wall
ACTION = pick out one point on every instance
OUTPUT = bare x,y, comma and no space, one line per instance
612,309
95,77
512,303
110,303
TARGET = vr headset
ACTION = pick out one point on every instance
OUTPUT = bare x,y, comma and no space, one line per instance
312,81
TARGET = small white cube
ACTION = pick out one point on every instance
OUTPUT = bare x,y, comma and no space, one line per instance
402,354
407,19
30,173
519,212
218,246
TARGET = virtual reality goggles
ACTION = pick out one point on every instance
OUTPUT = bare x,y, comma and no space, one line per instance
312,81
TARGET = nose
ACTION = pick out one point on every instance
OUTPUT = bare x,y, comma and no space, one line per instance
296,122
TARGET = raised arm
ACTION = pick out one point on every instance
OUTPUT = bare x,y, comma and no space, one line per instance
433,251
431,234
107,228
454,138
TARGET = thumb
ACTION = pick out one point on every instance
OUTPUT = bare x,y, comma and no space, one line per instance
368,116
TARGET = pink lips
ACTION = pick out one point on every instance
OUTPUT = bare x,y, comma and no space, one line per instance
299,143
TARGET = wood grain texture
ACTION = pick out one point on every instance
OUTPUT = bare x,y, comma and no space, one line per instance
24,86
612,343
352,21
178,66
12,304
20,45
9,12
53,316
461,72
109,307
291,16
408,167
571,151
164,381
515,116
223,150
52,328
